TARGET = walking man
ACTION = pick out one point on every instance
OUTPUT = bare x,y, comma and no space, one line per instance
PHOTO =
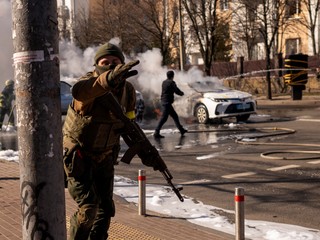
169,88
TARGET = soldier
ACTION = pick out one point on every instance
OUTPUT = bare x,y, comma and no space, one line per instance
6,98
91,141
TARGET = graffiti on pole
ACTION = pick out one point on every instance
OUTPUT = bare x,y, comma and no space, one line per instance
29,203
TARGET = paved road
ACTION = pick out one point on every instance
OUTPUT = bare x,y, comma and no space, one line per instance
210,164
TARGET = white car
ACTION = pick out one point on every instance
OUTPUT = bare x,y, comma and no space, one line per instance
209,100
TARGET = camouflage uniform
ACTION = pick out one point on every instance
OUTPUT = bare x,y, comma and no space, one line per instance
6,98
91,142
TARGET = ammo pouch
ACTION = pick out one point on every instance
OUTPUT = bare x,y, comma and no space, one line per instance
92,134
73,161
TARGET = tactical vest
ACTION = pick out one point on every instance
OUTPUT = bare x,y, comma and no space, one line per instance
91,135
94,133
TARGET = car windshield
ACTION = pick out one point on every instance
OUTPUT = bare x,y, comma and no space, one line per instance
207,86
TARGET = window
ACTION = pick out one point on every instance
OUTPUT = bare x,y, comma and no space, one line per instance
292,8
292,46
224,5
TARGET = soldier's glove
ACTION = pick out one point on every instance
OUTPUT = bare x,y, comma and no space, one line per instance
121,72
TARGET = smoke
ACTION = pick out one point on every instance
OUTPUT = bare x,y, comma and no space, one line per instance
6,62
75,62
151,74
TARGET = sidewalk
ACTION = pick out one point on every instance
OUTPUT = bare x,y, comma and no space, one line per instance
126,225
286,100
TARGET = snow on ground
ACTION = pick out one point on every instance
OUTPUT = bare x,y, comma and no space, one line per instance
162,200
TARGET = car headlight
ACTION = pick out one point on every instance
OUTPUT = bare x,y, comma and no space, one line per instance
247,99
220,100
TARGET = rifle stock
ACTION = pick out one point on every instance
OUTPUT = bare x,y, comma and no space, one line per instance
139,144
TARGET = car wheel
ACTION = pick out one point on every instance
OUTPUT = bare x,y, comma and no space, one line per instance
202,114
243,118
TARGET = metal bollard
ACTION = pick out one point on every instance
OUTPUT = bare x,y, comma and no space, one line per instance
142,192
239,207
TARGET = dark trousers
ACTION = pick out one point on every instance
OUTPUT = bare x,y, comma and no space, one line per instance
3,112
167,111
93,192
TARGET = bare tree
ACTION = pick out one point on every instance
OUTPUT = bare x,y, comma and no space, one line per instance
310,20
155,23
83,36
140,25
269,19
210,29
245,28
108,19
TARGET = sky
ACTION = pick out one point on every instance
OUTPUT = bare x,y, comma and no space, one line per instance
162,201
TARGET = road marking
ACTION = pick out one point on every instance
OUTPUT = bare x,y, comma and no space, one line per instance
308,120
283,167
237,175
314,162
207,156
197,181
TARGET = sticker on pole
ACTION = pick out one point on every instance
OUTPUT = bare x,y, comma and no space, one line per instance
28,57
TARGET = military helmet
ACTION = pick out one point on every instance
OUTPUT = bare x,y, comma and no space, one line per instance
9,82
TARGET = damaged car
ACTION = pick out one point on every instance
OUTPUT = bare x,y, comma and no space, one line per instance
209,100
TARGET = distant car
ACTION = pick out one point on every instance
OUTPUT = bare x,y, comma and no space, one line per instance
66,96
210,100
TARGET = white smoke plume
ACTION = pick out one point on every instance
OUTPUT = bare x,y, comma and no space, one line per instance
75,62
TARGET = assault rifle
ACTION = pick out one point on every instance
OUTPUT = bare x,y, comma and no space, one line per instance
139,144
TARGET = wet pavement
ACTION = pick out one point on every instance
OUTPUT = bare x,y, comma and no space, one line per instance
215,132
209,152
8,140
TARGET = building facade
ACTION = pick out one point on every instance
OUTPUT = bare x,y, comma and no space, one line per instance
292,26
68,13
289,23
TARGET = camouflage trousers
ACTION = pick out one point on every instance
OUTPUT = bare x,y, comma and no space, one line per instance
93,192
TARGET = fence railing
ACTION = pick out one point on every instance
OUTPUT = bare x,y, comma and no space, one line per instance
228,69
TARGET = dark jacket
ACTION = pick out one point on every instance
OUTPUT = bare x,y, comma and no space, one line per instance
169,88
91,123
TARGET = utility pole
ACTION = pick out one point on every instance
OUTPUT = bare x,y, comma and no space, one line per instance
37,84
181,39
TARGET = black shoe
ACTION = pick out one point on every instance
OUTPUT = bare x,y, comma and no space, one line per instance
183,131
157,135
